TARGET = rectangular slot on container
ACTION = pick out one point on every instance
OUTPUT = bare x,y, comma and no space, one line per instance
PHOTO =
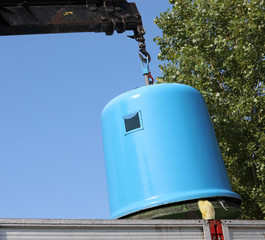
133,122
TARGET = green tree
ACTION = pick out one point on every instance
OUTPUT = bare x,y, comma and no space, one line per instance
218,47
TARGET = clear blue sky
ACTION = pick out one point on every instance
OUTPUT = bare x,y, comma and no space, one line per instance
52,91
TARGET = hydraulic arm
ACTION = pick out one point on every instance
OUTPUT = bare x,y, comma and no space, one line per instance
63,16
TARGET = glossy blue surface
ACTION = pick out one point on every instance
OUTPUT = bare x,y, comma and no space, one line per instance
173,156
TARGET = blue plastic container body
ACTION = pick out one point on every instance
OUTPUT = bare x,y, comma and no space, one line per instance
160,147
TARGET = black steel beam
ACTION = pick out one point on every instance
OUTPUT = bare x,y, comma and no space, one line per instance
62,16
12,3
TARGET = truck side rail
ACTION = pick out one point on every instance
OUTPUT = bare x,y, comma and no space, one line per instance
53,229
244,229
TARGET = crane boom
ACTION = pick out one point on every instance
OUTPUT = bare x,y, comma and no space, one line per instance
62,16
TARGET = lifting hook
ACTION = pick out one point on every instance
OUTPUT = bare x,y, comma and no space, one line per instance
139,37
144,55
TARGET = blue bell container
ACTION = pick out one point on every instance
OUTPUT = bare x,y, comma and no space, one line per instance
160,148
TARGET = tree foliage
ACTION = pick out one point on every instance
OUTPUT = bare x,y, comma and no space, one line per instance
218,47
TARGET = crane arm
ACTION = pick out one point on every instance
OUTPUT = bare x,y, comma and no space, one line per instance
63,16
